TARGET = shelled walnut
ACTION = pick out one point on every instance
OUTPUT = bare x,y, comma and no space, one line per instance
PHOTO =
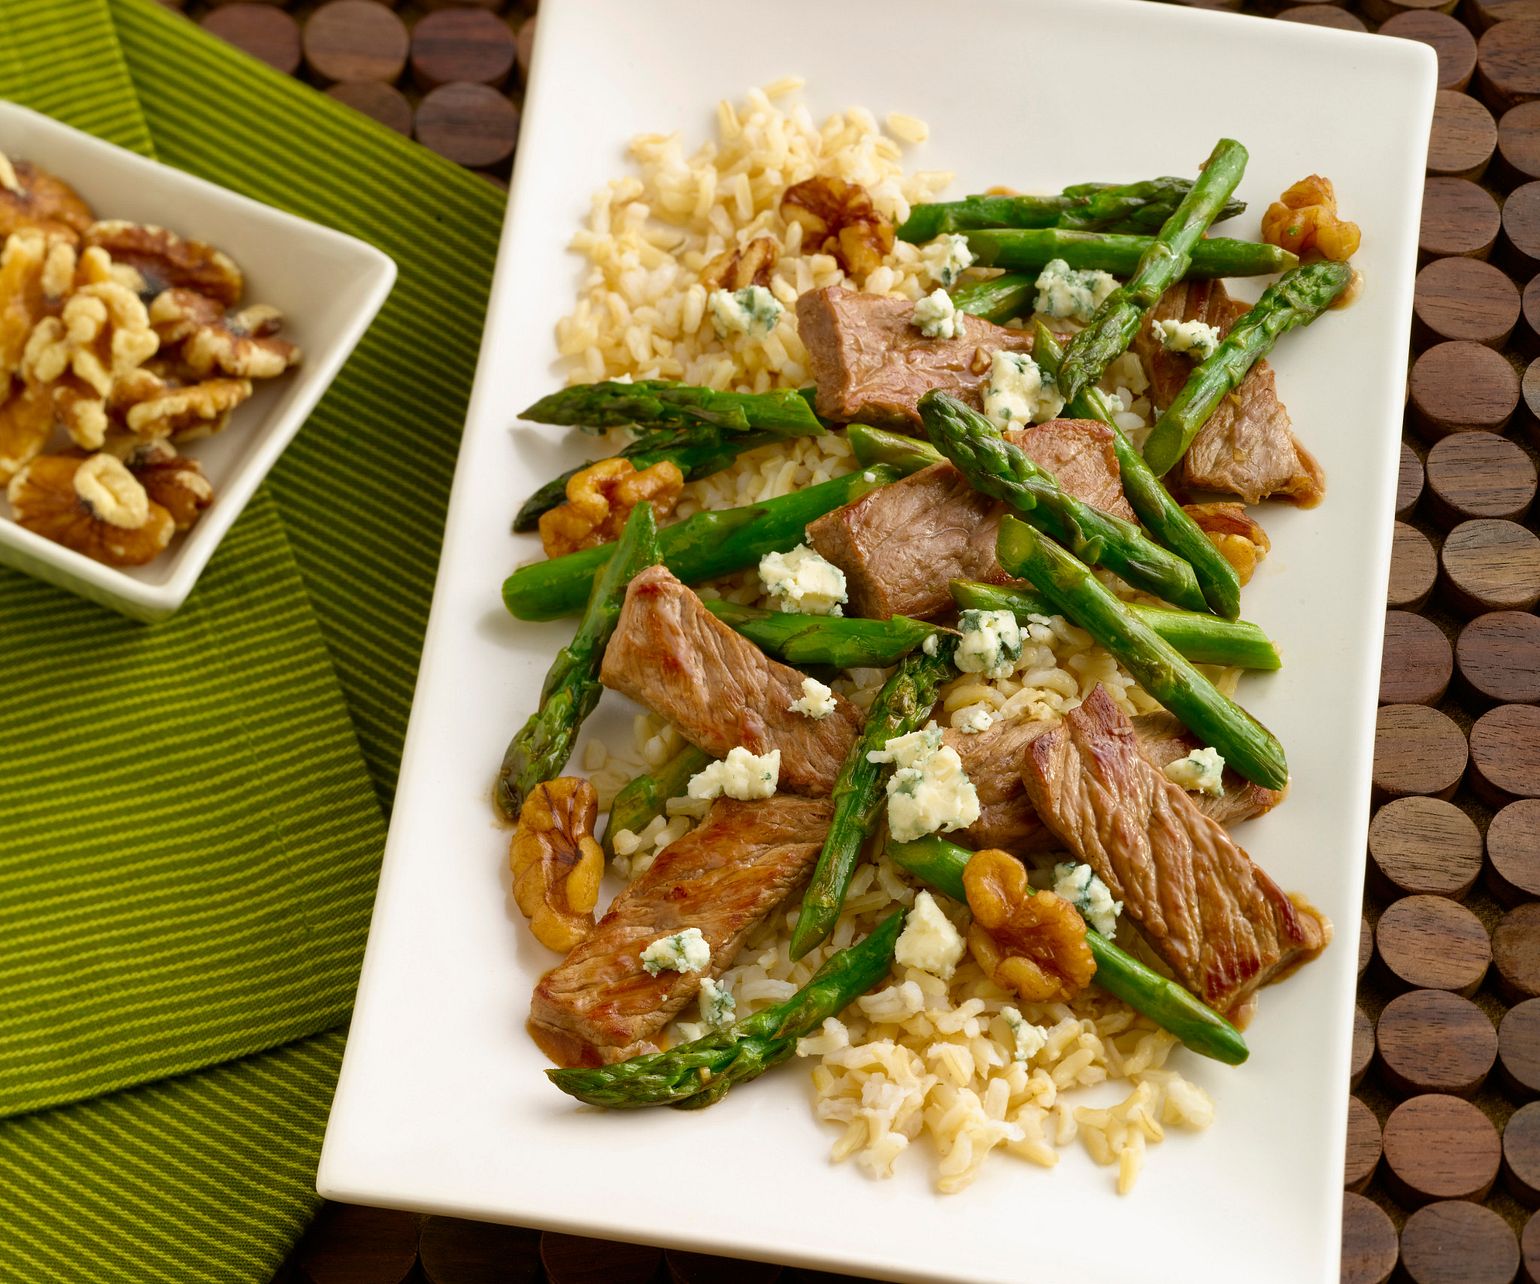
1030,942
32,198
244,344
838,218
601,497
93,505
1234,532
1304,220
556,862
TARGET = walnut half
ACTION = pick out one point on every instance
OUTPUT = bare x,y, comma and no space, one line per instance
92,505
556,862
31,197
1033,943
1234,532
1304,220
600,499
839,218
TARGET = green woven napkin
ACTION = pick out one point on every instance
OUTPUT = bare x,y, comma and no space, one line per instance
188,832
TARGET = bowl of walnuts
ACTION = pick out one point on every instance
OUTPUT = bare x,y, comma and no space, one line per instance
162,340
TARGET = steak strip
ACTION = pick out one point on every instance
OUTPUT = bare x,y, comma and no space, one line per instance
599,1004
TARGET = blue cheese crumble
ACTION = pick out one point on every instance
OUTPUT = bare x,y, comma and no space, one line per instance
929,791
974,719
929,941
1027,1040
752,310
1019,391
685,951
948,257
816,702
1064,292
1187,336
990,643
718,1008
741,775
936,316
1079,885
1202,771
803,582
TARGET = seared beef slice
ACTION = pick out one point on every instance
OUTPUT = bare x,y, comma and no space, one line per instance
599,1004
1218,921
672,655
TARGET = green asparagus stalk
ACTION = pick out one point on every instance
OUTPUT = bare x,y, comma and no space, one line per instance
1119,253
940,864
1165,519
1203,639
703,1071
571,690
643,797
1164,261
1296,299
1006,472
874,446
1091,207
707,544
902,706
1079,596
844,642
658,403
1011,294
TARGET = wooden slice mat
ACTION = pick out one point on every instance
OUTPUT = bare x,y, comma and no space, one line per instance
1424,846
1490,565
470,124
1458,217
1521,228
1413,569
1446,36
1528,341
576,1259
1464,136
1479,474
1505,754
1363,1045
1518,1048
1460,386
1518,141
1416,660
1409,482
260,30
1433,943
351,1245
1363,1146
1417,750
452,1251
1521,1154
1440,1147
1365,943
382,102
1466,299
1434,1041
1516,952
1324,15
1498,658
1482,14
1513,852
461,44
1369,1242
1508,62
1454,1242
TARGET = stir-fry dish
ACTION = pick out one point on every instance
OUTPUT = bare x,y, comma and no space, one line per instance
917,529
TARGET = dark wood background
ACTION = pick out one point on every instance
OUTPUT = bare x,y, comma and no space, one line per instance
1443,1155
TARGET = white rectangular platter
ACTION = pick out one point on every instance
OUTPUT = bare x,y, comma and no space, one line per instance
442,1105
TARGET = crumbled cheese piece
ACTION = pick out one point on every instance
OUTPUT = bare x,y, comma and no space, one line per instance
931,644
803,582
741,774
929,791
1201,770
947,257
991,643
1019,391
1029,1039
929,941
718,1008
974,719
1079,885
752,310
868,476
1188,336
1064,292
936,316
817,700
685,951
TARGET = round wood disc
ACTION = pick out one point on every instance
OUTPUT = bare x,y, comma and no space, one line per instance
1417,750
1485,13
348,1244
1529,1250
1363,1045
1505,754
1461,387
1518,1048
1383,10
1529,397
260,30
461,44
1363,1146
1513,852
355,40
1508,63
1413,569
1324,15
1464,136
470,124
382,102
1369,1244
524,47
1448,38
452,1251
702,1268
1416,660
1457,218
1424,846
1478,474
1365,943
1409,482
1516,951
1521,1154
1528,337
1432,1040
1465,299
1456,1242
1498,655
1434,943
1491,565
575,1259
1518,142
1440,1147
1521,228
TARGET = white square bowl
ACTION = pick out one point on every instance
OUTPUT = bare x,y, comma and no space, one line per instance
327,285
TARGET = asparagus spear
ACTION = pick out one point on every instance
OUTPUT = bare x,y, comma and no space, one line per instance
998,468
1011,294
658,403
707,544
1164,261
1119,253
541,748
703,1071
697,452
1078,595
1090,207
902,706
1163,516
939,864
1295,300
1203,639
878,446
643,796
844,642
